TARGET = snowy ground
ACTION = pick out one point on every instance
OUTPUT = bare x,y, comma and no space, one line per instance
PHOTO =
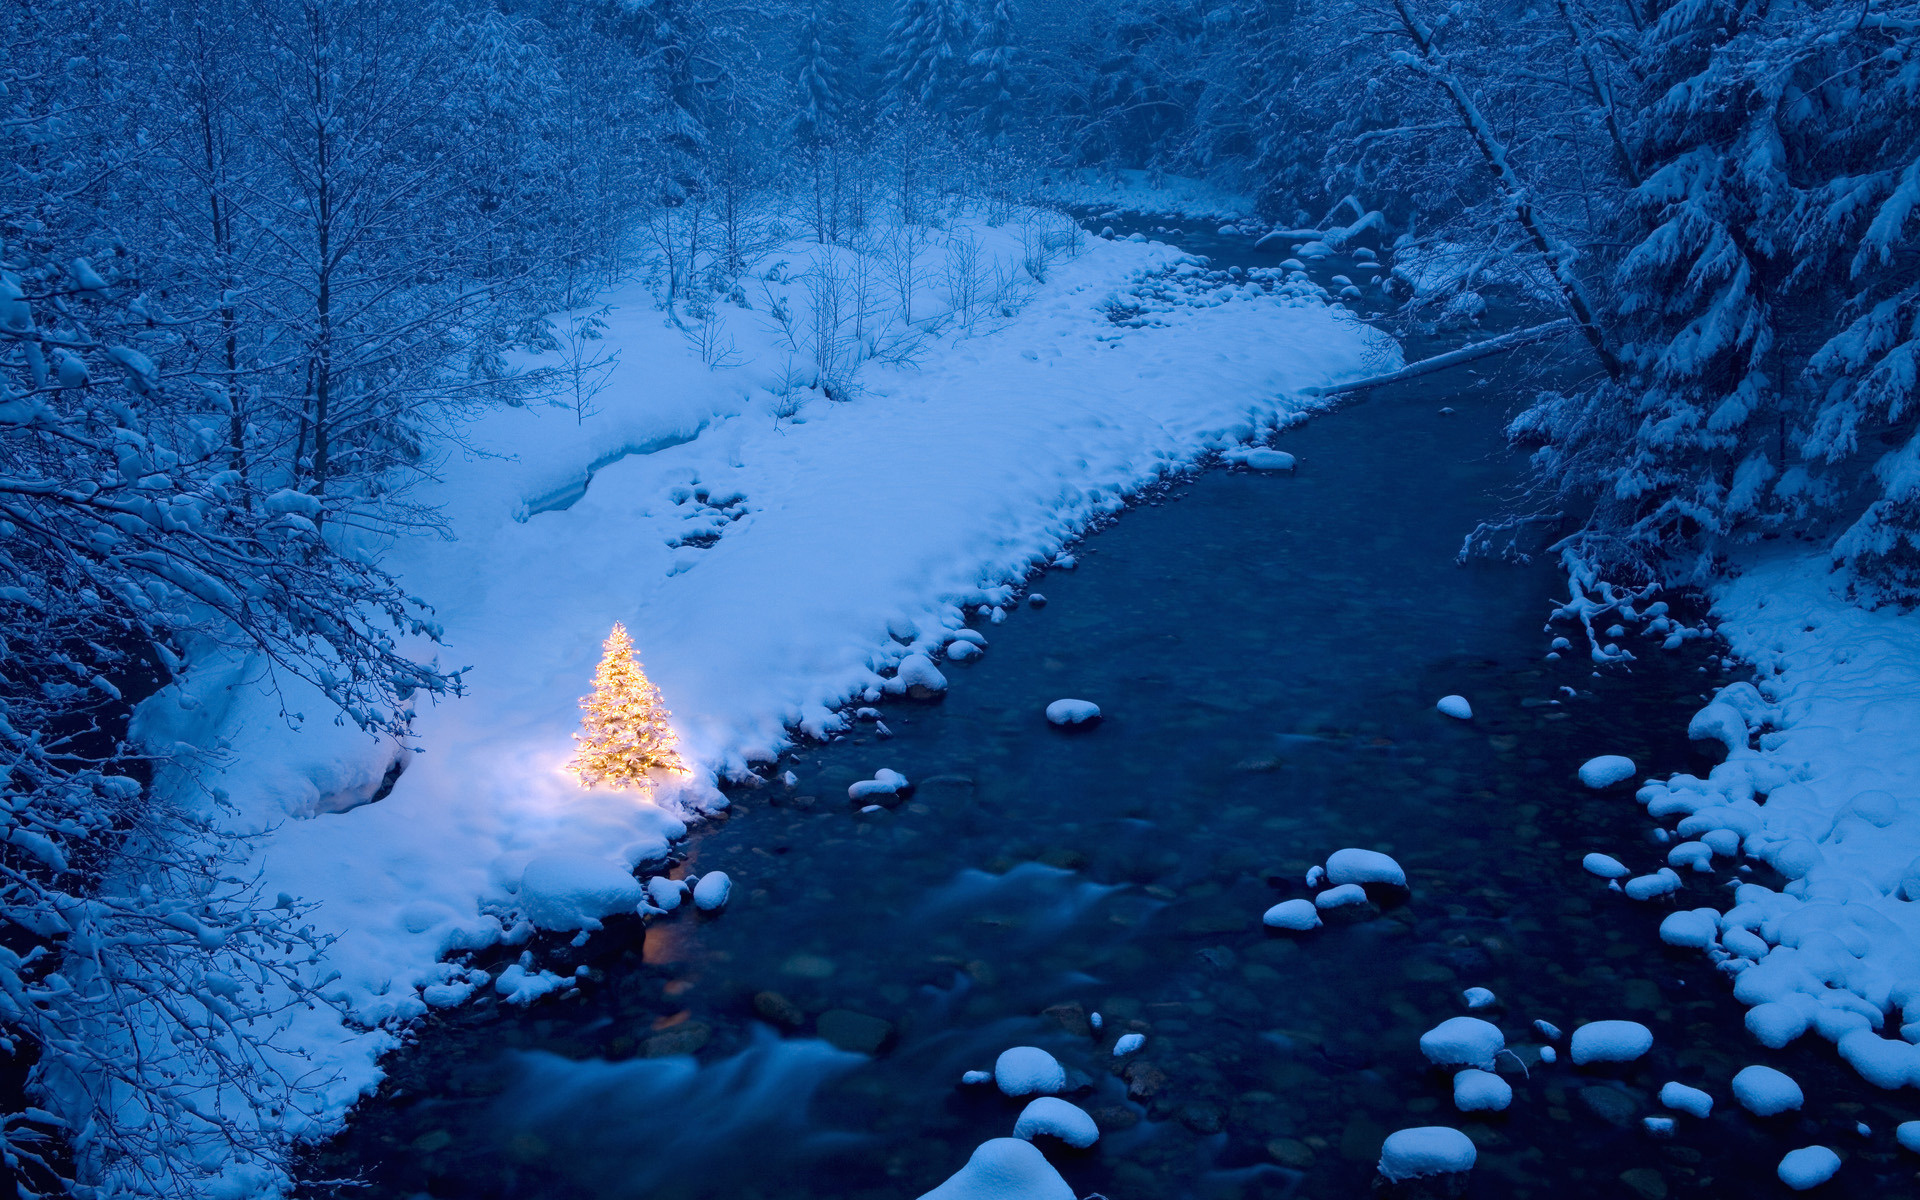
770,566
1822,782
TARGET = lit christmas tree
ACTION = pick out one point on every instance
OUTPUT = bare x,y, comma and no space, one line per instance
624,733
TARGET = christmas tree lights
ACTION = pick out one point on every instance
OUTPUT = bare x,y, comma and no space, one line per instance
624,733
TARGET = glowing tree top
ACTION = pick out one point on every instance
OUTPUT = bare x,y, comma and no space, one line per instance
624,732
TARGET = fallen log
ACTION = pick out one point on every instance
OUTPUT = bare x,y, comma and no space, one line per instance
1453,358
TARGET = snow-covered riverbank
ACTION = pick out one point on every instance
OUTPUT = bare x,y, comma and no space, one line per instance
1822,783
771,565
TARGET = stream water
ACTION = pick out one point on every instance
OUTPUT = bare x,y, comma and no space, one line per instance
1267,650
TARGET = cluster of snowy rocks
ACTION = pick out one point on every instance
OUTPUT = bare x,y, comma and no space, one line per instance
1012,1168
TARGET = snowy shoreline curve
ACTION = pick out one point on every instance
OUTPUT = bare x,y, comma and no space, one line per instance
773,568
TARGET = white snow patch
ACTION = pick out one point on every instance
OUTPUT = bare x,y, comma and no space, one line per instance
710,894
1426,1150
1050,1115
1475,1090
1606,770
1073,712
1292,914
1128,1043
1463,1042
1605,866
573,891
1610,1041
1765,1092
1028,1071
1455,707
1808,1167
1004,1169
1364,866
1690,1100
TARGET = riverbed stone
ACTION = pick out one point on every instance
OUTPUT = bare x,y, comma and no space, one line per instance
682,1039
1290,1152
1645,1182
1071,1017
777,1009
853,1031
1144,1080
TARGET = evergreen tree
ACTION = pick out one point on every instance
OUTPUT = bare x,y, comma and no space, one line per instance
821,83
927,49
624,735
994,83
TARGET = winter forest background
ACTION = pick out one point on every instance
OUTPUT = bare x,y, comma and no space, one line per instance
255,257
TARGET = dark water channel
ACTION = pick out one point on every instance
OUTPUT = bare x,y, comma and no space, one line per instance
1268,650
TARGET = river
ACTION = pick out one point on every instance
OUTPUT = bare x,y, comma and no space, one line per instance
1267,650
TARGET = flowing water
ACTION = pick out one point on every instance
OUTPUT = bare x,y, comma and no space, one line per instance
1267,650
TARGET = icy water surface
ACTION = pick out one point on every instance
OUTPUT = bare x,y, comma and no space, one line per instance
1267,650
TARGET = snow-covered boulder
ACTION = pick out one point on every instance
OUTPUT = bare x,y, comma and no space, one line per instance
1663,882
1765,1092
1610,1042
1694,928
666,894
917,678
884,786
711,893
1298,915
1606,770
1605,866
1004,1169
1363,867
1455,707
959,651
1690,1100
1808,1167
1479,997
1426,1150
1056,1118
1883,1062
1340,897
1475,1090
1128,1043
1072,714
1463,1042
1262,459
1719,722
1907,1133
1028,1071
573,891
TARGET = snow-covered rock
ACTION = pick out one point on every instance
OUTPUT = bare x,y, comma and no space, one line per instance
1605,866
1364,866
1455,707
1693,928
1606,770
1907,1133
666,894
1057,1118
1127,1043
1690,1100
1778,1022
1549,1055
1463,1042
1479,997
1261,459
959,651
1028,1071
976,1077
1808,1167
1004,1169
883,785
1883,1062
1340,897
1610,1041
1292,914
573,891
710,894
1426,1150
1719,722
1647,887
1071,713
1657,1126
1547,1030
1765,1092
1475,1090
917,677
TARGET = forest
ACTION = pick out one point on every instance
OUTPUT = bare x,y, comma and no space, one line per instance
263,261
